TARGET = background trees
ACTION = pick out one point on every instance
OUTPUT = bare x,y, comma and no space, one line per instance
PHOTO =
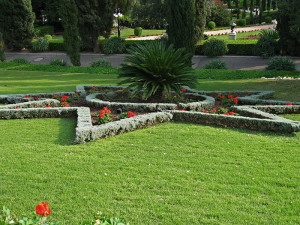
181,24
16,23
289,26
69,14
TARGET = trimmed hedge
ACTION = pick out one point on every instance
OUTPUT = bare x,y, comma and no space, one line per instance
42,31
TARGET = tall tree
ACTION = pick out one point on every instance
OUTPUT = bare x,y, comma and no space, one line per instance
95,18
181,24
245,8
16,23
251,11
69,16
202,9
289,26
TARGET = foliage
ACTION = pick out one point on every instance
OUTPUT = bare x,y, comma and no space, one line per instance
48,37
268,19
241,22
138,31
202,9
273,34
265,47
181,24
69,14
216,64
289,27
114,45
281,63
156,69
94,20
220,15
211,25
125,115
16,23
101,63
2,55
149,14
214,47
20,61
40,45
58,62
44,30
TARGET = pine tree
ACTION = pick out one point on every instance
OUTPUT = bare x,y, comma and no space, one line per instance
69,15
16,23
181,24
95,18
202,8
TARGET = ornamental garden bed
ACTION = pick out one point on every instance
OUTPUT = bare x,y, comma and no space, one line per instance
102,111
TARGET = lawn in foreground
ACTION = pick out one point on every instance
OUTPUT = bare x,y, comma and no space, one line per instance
174,173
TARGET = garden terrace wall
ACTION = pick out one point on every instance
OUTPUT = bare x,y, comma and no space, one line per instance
33,104
287,126
85,134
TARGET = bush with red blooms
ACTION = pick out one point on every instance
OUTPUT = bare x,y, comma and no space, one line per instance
128,114
66,100
104,116
222,111
228,99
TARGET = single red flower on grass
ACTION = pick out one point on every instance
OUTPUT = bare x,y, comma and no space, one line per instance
43,209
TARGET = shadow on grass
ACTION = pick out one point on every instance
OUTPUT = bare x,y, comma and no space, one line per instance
67,128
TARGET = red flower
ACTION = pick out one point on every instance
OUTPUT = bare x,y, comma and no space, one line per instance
289,104
36,98
183,90
235,100
226,114
230,96
131,114
231,113
48,106
43,209
67,105
214,110
219,96
205,111
27,96
101,115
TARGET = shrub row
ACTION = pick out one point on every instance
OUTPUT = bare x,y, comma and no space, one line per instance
41,31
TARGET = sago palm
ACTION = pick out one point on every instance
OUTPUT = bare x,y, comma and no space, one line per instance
156,69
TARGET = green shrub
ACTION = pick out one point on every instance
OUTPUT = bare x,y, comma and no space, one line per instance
241,22
268,19
265,47
40,45
281,63
138,31
58,62
157,69
48,37
215,47
211,25
42,31
269,33
114,45
20,61
55,45
101,63
216,64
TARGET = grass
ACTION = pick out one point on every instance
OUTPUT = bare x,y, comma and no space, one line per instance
238,35
169,174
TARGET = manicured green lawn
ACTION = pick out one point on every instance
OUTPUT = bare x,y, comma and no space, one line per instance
173,173
238,35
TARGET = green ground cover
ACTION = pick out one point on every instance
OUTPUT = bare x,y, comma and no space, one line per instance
169,174
238,35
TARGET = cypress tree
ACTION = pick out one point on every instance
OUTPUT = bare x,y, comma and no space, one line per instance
289,26
69,15
95,18
181,24
16,23
2,55
202,7
251,11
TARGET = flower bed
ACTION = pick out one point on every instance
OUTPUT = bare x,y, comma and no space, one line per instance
115,118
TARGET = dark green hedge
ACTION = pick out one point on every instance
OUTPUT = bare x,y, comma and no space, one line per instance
201,73
49,68
243,74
